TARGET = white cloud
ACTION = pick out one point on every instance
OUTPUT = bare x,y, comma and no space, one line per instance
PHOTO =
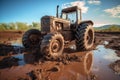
114,12
95,2
80,4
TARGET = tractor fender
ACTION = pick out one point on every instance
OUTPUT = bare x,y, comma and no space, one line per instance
87,21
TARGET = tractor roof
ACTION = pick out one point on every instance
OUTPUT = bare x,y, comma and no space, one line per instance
70,9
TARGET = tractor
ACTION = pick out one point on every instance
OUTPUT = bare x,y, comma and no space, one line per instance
58,31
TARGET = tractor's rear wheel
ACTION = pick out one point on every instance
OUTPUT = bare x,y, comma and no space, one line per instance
31,39
84,36
52,44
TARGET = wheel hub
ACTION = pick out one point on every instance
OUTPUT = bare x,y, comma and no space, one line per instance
90,37
55,46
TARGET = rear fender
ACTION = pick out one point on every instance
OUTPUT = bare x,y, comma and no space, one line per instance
88,21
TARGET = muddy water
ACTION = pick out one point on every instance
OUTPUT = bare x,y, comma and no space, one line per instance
17,42
102,59
92,62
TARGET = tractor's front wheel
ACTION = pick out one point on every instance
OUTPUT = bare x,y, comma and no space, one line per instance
52,44
31,39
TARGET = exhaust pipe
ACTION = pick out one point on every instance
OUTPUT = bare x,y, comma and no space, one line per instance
57,15
81,14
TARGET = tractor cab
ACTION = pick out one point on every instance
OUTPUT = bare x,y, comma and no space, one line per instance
73,14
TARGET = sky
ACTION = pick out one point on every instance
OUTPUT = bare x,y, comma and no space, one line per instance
101,12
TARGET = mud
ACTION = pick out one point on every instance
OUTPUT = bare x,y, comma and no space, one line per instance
101,63
49,70
115,66
7,50
8,62
112,38
115,44
7,36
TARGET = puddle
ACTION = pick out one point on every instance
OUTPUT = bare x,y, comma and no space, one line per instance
102,59
16,42
106,54
21,59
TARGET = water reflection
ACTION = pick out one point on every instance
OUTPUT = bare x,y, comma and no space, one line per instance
76,70
103,57
105,54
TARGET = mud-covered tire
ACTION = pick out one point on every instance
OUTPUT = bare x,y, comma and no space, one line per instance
52,44
31,39
84,36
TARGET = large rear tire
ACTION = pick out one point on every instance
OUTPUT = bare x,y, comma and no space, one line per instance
84,36
31,39
52,44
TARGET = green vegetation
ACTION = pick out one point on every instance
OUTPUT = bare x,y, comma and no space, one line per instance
110,28
35,25
19,26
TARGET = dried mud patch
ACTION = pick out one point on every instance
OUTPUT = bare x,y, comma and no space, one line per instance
115,66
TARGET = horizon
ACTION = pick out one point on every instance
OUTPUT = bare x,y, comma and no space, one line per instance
99,11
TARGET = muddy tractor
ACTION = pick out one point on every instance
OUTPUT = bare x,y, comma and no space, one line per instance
58,31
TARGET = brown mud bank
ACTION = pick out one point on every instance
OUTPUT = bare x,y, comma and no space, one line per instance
7,36
109,39
102,63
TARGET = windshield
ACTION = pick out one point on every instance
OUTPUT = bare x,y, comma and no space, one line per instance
70,16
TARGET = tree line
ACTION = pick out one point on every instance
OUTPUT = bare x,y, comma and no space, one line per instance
36,25
19,26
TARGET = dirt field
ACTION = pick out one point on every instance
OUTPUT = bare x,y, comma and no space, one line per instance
100,63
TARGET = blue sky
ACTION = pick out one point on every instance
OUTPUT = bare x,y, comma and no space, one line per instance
101,12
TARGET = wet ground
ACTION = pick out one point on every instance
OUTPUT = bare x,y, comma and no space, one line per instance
101,63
